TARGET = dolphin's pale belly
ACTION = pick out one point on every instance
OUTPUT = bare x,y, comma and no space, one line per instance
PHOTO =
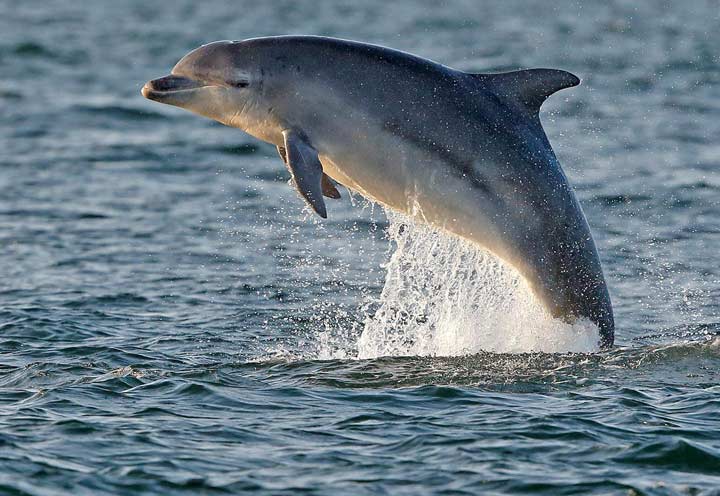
359,152
404,178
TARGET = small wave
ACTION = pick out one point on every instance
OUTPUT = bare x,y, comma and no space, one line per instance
32,49
688,334
54,214
40,51
490,371
675,454
7,94
241,149
101,301
613,200
517,372
117,111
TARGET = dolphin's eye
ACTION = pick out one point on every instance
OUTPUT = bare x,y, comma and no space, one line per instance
240,83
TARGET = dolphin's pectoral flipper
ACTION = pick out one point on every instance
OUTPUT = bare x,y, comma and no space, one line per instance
530,87
328,188
306,170
328,185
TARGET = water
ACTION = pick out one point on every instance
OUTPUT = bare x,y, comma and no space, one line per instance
173,321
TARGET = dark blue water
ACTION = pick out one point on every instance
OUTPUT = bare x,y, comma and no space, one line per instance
173,322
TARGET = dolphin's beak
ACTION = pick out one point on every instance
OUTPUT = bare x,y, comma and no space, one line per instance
170,89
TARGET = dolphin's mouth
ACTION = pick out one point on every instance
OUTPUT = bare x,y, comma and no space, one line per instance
170,87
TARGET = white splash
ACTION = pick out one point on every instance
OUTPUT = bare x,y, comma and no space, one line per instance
444,296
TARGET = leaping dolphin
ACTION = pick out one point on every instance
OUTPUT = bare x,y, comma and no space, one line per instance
463,152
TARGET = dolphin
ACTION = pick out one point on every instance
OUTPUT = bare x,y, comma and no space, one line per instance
463,152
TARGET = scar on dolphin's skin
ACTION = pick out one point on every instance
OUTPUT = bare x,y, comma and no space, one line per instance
470,148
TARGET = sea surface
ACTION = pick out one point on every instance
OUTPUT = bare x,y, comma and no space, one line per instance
174,321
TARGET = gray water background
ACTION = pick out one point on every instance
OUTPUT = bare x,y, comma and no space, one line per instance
164,296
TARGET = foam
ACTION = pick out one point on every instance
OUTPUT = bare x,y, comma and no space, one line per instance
444,296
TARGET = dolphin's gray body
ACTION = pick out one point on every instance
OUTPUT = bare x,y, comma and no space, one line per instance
464,152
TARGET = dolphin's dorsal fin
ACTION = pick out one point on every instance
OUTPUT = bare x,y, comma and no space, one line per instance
529,87
306,170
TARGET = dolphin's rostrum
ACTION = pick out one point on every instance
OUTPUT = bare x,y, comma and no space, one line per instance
464,152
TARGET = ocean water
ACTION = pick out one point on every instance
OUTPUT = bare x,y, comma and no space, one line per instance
174,321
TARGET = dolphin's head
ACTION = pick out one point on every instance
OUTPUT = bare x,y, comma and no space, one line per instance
220,80
262,85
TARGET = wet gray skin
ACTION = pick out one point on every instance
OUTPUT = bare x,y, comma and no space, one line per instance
463,152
